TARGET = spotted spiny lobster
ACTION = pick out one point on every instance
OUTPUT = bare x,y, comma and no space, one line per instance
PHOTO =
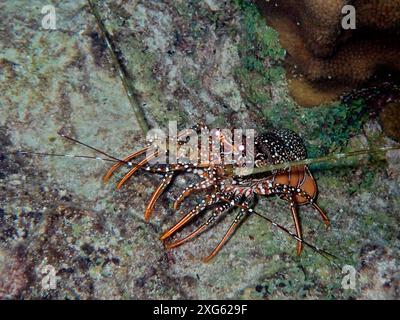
225,190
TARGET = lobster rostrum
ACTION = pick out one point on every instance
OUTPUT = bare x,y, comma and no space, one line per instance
226,190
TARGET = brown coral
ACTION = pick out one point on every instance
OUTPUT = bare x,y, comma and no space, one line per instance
378,14
317,20
325,60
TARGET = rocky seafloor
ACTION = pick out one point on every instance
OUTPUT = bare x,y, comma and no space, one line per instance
208,60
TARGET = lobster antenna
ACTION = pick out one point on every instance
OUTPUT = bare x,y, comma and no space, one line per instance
328,256
332,157
109,158
325,254
92,148
45,154
133,100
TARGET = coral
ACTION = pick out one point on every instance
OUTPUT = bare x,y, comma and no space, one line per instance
328,125
355,62
319,21
308,95
316,20
320,51
379,14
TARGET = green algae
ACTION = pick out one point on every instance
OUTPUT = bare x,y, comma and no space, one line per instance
261,56
328,127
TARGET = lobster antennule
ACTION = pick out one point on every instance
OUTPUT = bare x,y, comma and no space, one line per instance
136,168
117,165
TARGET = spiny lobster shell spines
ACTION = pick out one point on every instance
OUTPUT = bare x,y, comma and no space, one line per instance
225,191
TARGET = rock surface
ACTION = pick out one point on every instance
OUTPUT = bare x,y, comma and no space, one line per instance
189,60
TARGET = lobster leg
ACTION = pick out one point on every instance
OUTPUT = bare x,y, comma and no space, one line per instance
322,213
315,206
227,235
194,212
297,225
289,190
203,185
185,220
157,193
288,193
216,212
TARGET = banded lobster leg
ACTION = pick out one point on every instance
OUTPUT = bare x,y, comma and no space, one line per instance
216,212
297,225
159,190
200,186
289,193
322,213
168,170
235,224
166,181
208,201
156,194
311,201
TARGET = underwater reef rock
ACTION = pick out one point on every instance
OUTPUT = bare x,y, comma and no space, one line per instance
382,101
389,119
325,58
13,275
189,60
